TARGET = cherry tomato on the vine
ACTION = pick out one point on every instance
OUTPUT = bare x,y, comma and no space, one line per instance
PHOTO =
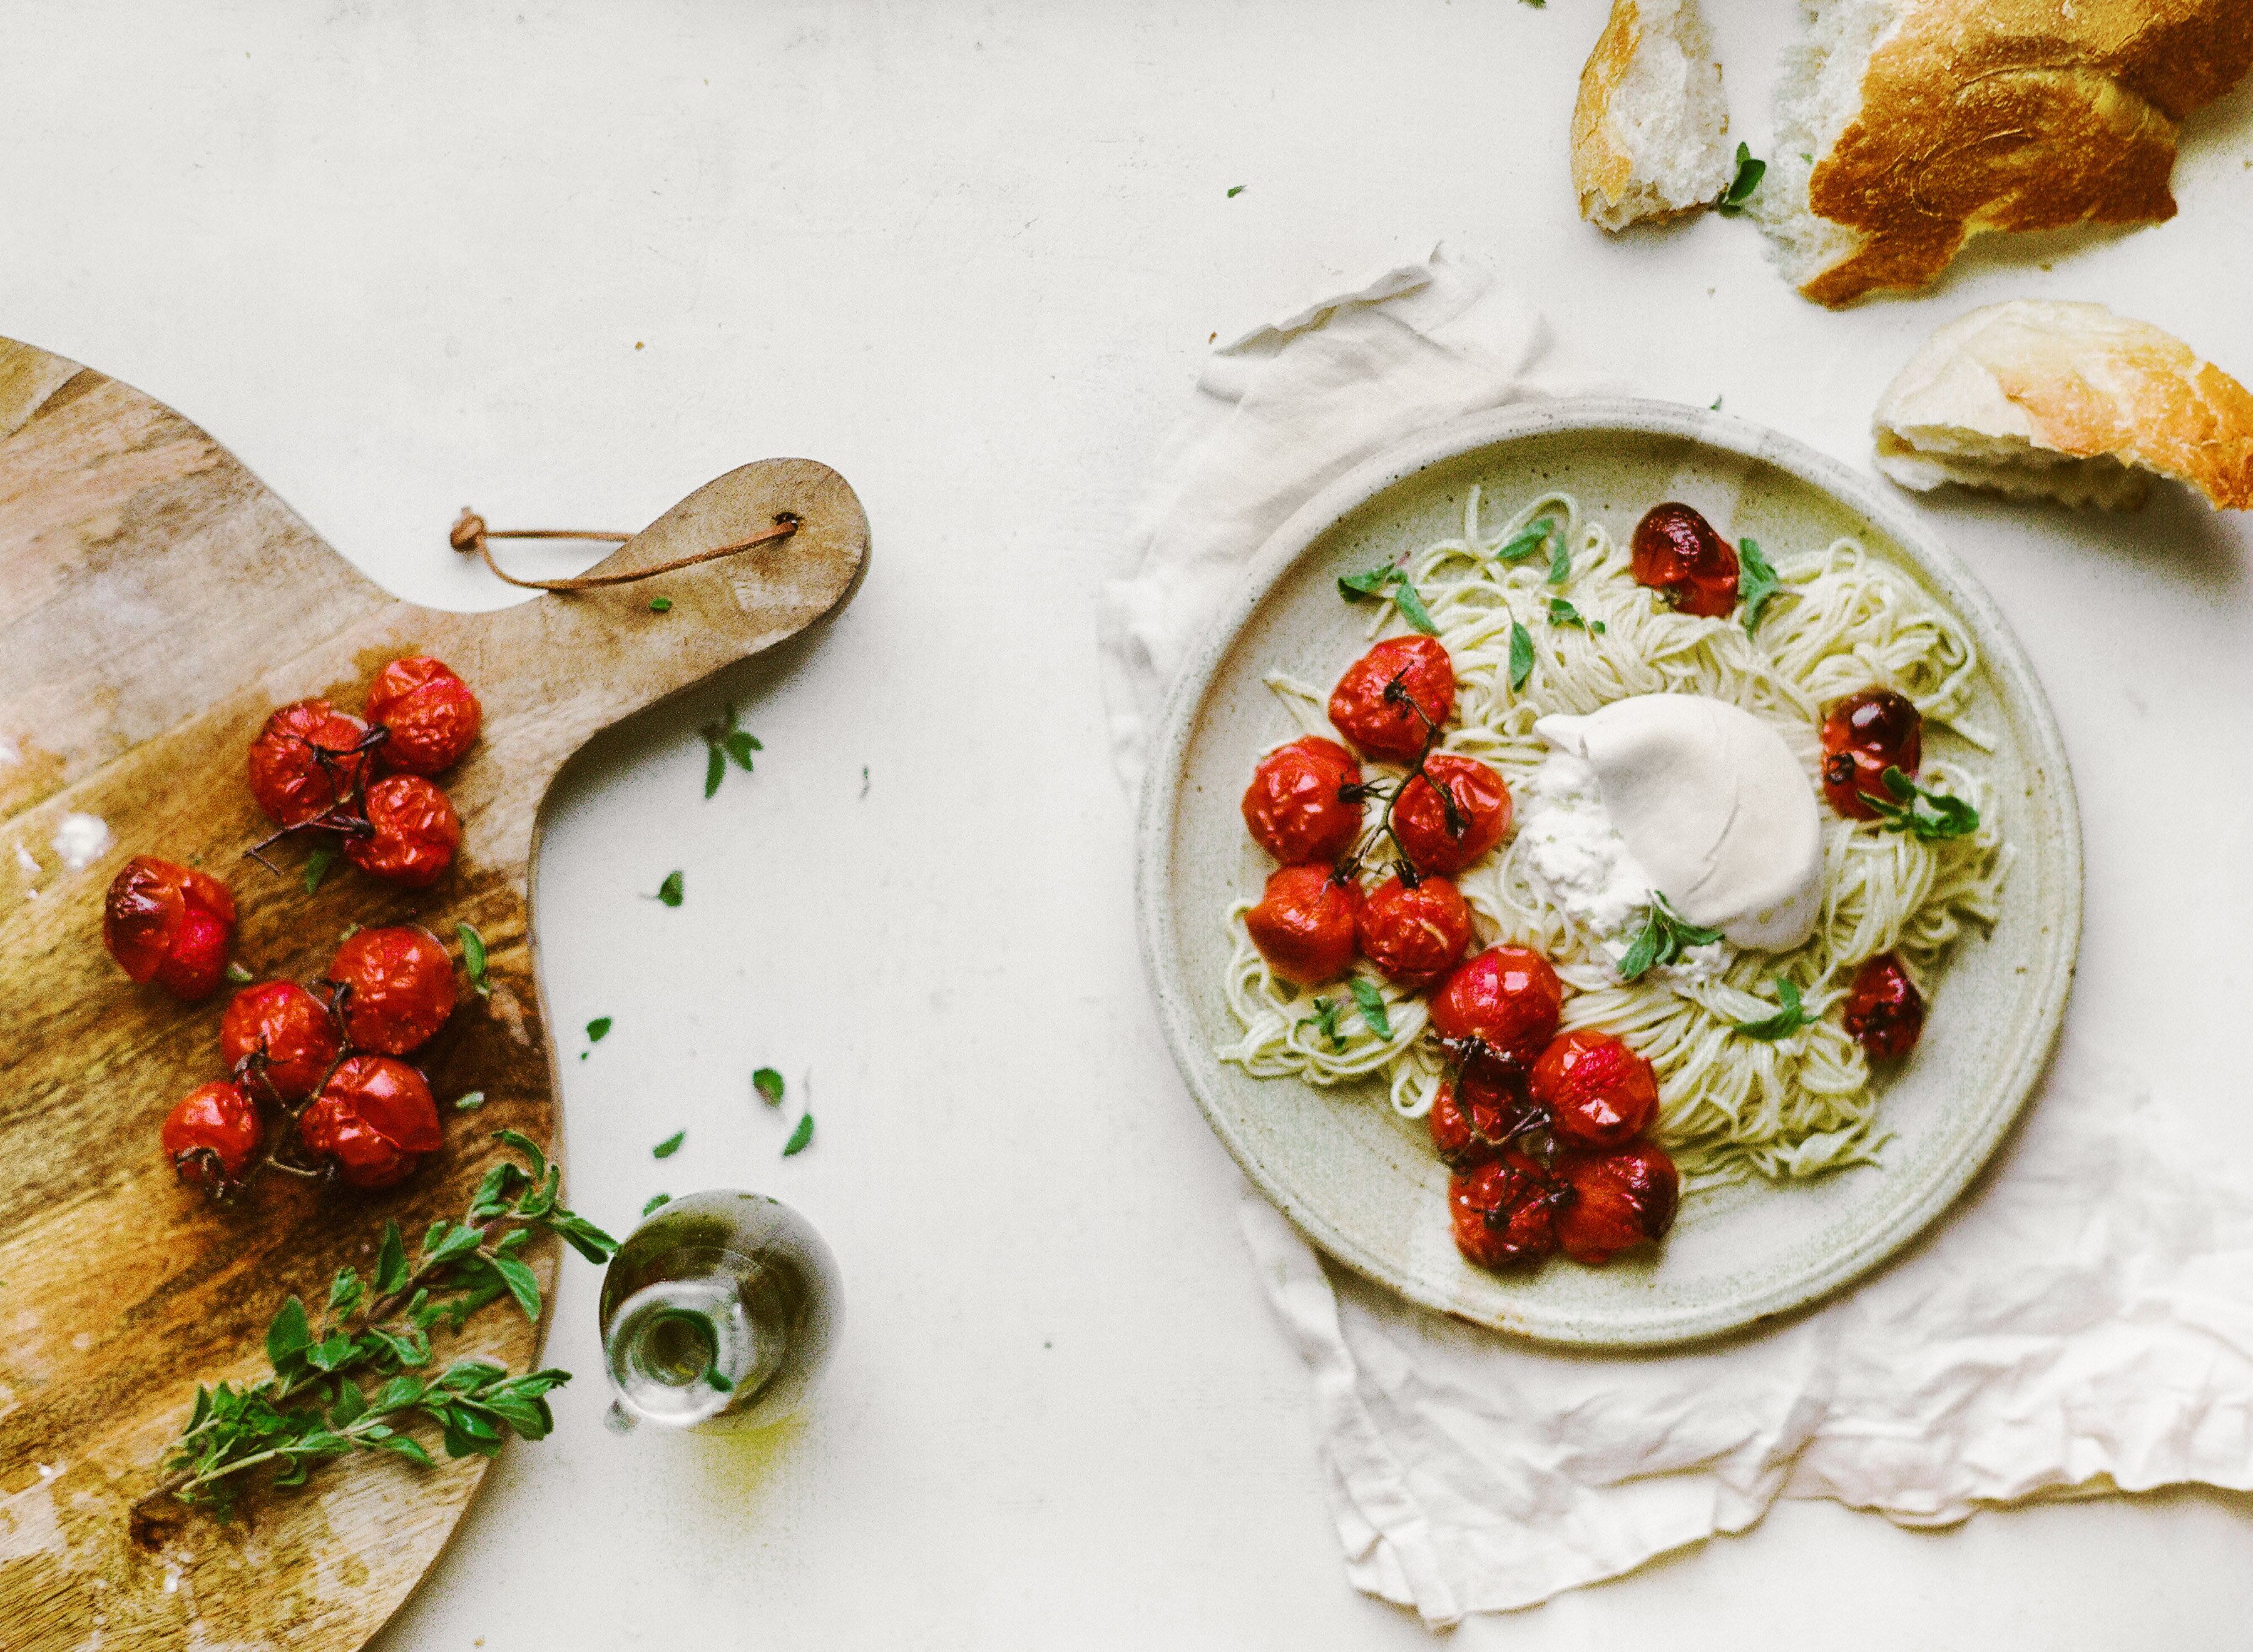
211,1134
1619,1200
1504,1211
1597,1091
1304,924
1430,836
278,1036
169,924
1884,1012
1676,550
1296,808
1414,934
309,758
1507,997
414,833
1475,1114
396,988
1387,725
375,1118
1864,735
431,714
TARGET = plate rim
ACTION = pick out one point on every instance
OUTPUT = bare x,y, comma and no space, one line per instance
2011,670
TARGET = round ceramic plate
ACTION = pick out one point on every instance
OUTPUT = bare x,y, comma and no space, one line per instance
1364,1184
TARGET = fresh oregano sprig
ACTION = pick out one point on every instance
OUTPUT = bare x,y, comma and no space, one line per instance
723,742
1664,936
1932,816
1746,179
1786,1020
316,1405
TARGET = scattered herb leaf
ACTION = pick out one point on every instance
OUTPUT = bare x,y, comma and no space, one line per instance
655,1199
239,975
1562,613
660,604
1521,655
318,864
1527,540
473,954
1716,408
669,891
800,1137
1235,190
1664,935
1560,561
1933,816
670,1145
1750,172
469,1101
596,1028
1785,1022
716,770
1388,580
768,1083
721,742
1370,1002
1758,582
1325,1021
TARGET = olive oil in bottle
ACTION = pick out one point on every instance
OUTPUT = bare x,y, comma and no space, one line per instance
718,1312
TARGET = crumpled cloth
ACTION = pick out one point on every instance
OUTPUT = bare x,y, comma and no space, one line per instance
2082,1323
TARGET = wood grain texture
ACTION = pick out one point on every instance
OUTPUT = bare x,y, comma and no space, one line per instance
156,603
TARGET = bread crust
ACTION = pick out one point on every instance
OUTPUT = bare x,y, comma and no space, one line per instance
2076,379
2016,115
1602,169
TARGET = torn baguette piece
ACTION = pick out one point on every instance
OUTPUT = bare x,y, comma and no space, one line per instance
2069,401
1906,127
1648,123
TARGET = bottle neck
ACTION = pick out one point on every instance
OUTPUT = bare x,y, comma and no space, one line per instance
681,1350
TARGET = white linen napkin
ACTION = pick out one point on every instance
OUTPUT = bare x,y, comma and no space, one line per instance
2082,1323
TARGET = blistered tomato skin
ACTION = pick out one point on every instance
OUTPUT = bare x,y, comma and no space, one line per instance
1597,1091
1884,1012
1294,807
375,1119
1504,1212
1414,935
306,761
1304,924
211,1134
1380,726
1431,840
1472,1116
1676,550
279,1038
1507,998
414,833
169,924
1864,735
396,988
1619,1200
428,711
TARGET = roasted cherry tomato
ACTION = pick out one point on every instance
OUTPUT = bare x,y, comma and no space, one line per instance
1414,934
1619,1200
1864,735
1597,1092
414,833
1434,839
1676,550
1504,1211
278,1037
395,988
1884,1012
375,1118
1507,998
309,758
169,924
1304,924
1371,705
211,1135
1475,1115
429,713
1299,806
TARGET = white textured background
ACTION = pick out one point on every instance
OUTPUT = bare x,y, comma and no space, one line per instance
568,263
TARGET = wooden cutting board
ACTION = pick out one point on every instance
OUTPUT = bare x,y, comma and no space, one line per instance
156,603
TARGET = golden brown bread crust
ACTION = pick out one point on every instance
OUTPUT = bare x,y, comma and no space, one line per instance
2013,115
1600,166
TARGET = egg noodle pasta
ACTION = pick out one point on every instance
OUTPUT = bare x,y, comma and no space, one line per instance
1731,1107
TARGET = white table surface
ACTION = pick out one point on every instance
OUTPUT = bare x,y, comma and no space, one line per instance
568,263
